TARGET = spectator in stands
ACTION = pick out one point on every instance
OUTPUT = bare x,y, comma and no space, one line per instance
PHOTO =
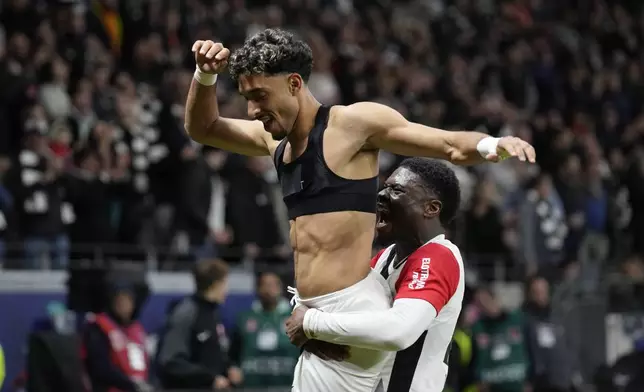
260,349
501,361
555,367
626,290
38,191
193,347
255,191
175,155
485,234
625,374
543,227
6,207
635,183
201,212
53,92
569,182
114,350
92,228
82,117
135,137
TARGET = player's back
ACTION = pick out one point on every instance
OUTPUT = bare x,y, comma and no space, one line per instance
422,367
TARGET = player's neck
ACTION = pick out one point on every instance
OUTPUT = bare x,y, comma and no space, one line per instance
409,245
305,120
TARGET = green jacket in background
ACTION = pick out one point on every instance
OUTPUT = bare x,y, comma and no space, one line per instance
261,348
501,359
3,370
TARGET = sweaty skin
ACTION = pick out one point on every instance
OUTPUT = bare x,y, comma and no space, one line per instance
331,250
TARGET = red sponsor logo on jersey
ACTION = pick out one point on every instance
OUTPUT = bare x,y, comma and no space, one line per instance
515,335
251,325
419,278
483,340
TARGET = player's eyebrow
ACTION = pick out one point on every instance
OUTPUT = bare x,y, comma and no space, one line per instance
394,184
251,92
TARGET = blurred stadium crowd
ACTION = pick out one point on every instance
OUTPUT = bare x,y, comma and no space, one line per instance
95,165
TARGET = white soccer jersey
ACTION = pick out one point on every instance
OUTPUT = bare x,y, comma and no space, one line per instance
433,273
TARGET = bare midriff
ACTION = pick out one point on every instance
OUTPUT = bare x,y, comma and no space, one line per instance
332,250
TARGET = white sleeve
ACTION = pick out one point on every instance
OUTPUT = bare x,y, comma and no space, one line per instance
394,329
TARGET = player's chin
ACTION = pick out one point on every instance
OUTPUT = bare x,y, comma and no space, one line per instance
279,135
384,231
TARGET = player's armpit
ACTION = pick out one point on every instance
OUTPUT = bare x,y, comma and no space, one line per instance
431,274
385,128
239,136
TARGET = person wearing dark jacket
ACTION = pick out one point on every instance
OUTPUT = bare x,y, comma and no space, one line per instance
113,350
193,346
555,367
625,375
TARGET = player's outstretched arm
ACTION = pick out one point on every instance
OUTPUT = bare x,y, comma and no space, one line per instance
387,129
202,120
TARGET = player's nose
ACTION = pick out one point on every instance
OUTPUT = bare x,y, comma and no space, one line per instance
382,196
253,110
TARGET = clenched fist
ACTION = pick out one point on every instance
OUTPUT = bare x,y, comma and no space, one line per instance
211,57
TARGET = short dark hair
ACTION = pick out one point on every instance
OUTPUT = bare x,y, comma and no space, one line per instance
208,272
260,275
441,180
272,52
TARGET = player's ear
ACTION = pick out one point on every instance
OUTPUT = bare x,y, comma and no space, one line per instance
295,83
432,208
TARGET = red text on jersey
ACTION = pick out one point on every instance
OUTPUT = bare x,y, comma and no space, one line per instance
431,273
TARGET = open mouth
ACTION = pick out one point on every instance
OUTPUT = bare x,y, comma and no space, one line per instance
265,119
382,216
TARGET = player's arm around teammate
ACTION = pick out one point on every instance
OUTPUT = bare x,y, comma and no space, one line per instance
422,293
384,128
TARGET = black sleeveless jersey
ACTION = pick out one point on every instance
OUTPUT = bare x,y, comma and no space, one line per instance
310,187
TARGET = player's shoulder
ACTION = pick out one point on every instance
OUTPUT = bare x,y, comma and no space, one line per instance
362,109
442,249
361,114
184,310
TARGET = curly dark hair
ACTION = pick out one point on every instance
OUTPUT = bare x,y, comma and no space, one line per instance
441,180
272,52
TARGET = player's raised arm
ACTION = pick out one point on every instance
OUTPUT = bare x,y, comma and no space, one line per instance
202,120
388,130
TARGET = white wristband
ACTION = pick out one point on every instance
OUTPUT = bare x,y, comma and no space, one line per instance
487,146
205,79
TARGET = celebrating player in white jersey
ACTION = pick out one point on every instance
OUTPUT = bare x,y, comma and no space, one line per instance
424,272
